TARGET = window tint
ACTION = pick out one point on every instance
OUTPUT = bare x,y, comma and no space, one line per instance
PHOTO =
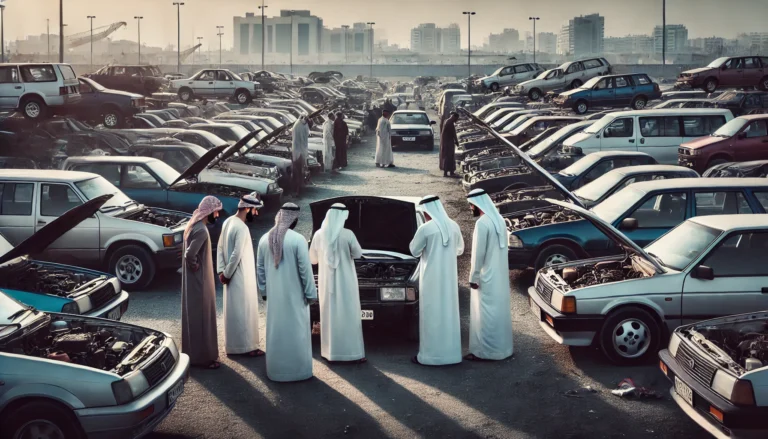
522,69
641,80
667,126
661,211
17,198
603,167
38,73
620,128
223,76
136,177
207,75
56,199
621,81
750,63
698,126
604,84
8,75
67,72
592,64
743,254
758,128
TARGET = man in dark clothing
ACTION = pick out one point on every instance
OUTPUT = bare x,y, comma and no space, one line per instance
448,142
340,134
389,106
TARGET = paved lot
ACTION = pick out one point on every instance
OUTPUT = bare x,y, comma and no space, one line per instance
521,397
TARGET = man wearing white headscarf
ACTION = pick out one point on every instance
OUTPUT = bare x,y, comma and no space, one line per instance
300,152
334,250
286,282
236,266
329,147
490,327
438,243
384,156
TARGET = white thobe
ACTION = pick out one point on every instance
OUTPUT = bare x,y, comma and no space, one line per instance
384,154
490,327
234,258
329,147
439,323
287,289
341,328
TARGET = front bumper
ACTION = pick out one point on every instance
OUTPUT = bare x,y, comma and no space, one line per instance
418,140
566,330
138,418
387,314
687,83
119,306
692,162
168,259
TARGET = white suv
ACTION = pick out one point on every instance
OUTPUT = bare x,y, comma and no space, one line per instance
215,83
509,75
37,90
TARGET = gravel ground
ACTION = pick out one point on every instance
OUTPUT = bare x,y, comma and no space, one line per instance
521,397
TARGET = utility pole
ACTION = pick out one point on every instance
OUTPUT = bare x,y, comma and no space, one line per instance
61,31
220,33
263,32
291,48
48,31
178,42
345,27
663,34
138,21
2,32
469,15
91,17
534,19
371,24
200,49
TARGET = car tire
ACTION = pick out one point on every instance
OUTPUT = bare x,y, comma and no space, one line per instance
495,87
186,94
242,97
576,83
430,146
763,84
534,94
554,254
710,85
581,107
48,416
630,336
33,108
133,266
112,117
639,103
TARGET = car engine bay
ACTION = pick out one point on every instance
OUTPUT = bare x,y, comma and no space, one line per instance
211,188
500,172
39,278
600,273
740,346
540,217
158,217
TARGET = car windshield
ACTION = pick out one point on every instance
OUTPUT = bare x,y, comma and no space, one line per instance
730,129
94,85
213,139
98,186
164,172
543,146
235,133
497,72
235,75
617,204
600,124
683,244
594,190
718,62
516,123
410,119
591,83
545,74
580,166
730,96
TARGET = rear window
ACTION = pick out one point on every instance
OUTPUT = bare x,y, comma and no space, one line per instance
642,80
592,64
38,73
67,72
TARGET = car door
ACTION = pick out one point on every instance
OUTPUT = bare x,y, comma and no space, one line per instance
740,279
11,87
225,84
656,214
753,71
89,103
619,135
140,184
660,136
752,142
204,84
625,91
575,75
603,94
17,221
731,72
79,246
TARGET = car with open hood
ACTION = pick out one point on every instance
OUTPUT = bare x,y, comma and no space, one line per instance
123,237
741,139
738,71
706,266
74,376
569,75
509,75
56,287
387,274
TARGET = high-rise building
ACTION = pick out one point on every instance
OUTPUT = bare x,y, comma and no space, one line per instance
450,39
546,42
564,40
753,43
677,38
629,44
709,45
428,38
505,42
587,35
299,29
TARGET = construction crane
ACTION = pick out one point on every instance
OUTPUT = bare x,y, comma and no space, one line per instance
185,53
83,38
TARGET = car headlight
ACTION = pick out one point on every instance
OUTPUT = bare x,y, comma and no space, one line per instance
674,343
71,308
178,238
695,75
130,387
562,303
514,241
390,294
172,239
425,132
272,188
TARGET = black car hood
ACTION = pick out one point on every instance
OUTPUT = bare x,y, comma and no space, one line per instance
379,223
200,164
54,230
231,150
732,169
110,91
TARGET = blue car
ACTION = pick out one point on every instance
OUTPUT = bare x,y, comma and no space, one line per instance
55,287
112,108
634,90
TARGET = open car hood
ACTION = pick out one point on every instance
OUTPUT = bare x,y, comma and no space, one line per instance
231,150
611,232
54,230
200,164
379,223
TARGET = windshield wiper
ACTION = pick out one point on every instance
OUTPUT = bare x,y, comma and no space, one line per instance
657,258
20,312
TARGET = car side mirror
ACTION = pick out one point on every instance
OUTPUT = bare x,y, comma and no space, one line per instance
576,150
741,136
703,272
724,68
432,122
628,224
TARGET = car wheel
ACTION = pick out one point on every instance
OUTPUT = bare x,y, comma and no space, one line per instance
34,108
40,419
553,255
112,118
494,87
639,103
576,83
534,94
430,146
242,97
630,336
133,266
185,94
710,85
581,107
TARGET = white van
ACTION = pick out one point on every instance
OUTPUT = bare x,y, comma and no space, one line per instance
656,132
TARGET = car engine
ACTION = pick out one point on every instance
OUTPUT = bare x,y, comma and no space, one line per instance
158,217
31,276
540,218
600,273
745,343
501,172
480,153
213,189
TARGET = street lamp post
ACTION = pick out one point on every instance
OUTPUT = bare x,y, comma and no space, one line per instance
371,24
263,33
345,27
200,49
290,49
91,17
138,21
61,31
2,32
534,19
469,15
48,31
220,33
178,41
663,33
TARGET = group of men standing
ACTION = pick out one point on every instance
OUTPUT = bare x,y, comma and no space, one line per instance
335,137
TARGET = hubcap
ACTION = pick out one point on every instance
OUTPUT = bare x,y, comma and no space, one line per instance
32,109
556,259
242,98
39,429
711,86
630,338
110,120
129,269
582,108
535,95
185,95
640,104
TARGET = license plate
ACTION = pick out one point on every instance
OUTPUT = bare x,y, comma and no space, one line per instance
409,139
535,309
684,391
367,314
175,392
115,314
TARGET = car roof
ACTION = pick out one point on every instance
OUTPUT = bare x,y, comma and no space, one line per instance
695,183
199,126
671,112
410,111
45,175
111,159
601,154
732,222
634,170
754,116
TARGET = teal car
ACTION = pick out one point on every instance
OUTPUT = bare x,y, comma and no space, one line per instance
633,90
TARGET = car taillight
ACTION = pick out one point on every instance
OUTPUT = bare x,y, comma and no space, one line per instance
656,87
63,91
742,393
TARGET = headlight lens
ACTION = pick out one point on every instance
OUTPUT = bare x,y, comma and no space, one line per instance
425,132
71,308
392,294
178,238
272,187
122,391
564,304
514,241
723,384
674,343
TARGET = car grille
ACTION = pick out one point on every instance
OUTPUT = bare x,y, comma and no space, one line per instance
544,288
683,151
369,294
407,133
103,295
159,368
701,369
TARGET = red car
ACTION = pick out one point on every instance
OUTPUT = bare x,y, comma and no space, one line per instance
739,71
742,139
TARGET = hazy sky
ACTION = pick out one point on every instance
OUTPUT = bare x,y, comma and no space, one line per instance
200,17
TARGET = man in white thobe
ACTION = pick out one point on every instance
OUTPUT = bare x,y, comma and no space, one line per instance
286,282
334,250
299,153
384,156
490,327
438,243
236,267
329,147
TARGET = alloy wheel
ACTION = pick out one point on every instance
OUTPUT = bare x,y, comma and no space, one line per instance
535,95
110,120
639,104
556,259
129,269
242,98
32,109
39,429
631,338
582,107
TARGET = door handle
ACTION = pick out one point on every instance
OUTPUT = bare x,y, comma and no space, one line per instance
210,82
764,290
18,87
642,140
631,140
41,222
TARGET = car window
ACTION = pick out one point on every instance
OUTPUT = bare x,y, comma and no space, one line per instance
506,71
620,128
110,171
9,75
660,211
602,168
758,128
522,69
56,199
751,63
720,203
592,64
85,88
641,79
753,101
207,75
604,84
38,73
575,67
621,81
136,177
742,254
698,126
667,126
16,198
223,76
642,161
67,72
